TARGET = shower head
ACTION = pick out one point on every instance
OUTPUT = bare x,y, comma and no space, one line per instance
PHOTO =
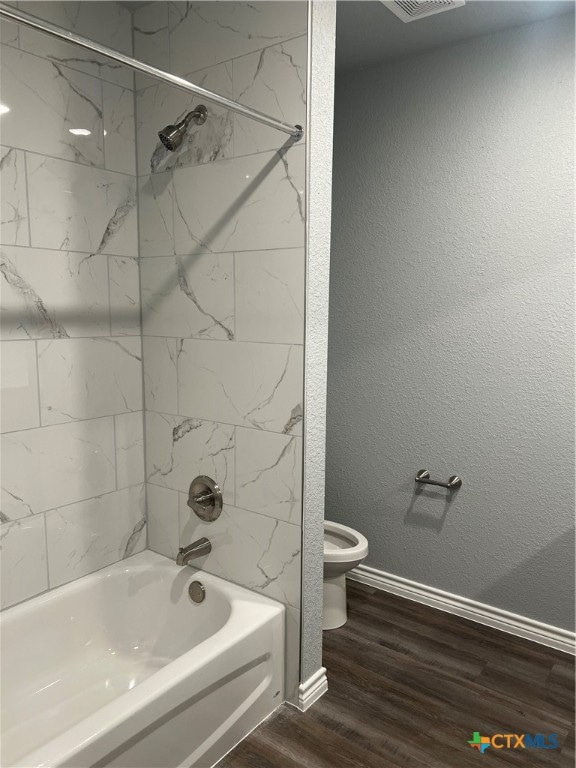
171,136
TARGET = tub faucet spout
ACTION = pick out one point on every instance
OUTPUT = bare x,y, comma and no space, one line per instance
196,549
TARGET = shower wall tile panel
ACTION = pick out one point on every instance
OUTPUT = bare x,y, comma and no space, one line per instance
92,534
180,448
88,378
110,25
53,294
79,208
222,224
254,550
245,204
189,296
19,386
252,385
13,197
71,397
206,33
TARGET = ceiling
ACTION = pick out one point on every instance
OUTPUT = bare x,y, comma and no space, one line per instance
367,33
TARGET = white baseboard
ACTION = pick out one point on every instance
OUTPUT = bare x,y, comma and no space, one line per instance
310,691
545,634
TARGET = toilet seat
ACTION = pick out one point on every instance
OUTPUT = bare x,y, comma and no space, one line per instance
343,544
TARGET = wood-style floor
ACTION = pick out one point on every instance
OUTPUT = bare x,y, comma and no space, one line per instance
407,687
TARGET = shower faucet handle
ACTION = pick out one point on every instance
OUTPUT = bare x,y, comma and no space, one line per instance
205,498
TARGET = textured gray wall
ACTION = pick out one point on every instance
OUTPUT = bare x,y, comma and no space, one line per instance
451,344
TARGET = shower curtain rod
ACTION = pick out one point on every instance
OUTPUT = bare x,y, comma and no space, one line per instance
20,17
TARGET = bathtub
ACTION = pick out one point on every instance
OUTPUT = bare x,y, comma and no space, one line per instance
122,668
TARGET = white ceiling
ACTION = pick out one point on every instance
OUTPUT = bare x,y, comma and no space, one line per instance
367,33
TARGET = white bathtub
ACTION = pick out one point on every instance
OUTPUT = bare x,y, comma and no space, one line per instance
122,668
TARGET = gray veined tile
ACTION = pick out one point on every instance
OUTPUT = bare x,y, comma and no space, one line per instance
156,215
244,204
84,537
124,279
9,33
23,560
74,207
163,520
119,128
19,386
160,356
151,42
252,385
162,104
270,296
67,462
269,474
107,23
51,294
205,33
249,549
88,378
188,296
129,431
13,197
178,449
47,101
272,81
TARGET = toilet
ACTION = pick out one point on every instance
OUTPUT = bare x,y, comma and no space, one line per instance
344,549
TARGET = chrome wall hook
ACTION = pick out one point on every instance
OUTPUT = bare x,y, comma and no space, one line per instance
423,476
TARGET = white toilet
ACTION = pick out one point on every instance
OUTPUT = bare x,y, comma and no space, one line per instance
344,549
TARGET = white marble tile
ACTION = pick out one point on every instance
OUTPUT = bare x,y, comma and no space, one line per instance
129,431
205,33
162,104
88,378
52,294
272,81
106,22
179,449
119,128
13,198
74,207
163,520
249,549
9,33
292,662
270,296
124,280
156,215
244,204
46,102
19,391
23,560
84,537
252,385
188,296
47,467
151,42
160,356
269,474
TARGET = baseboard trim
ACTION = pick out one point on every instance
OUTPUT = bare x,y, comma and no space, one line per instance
545,634
311,690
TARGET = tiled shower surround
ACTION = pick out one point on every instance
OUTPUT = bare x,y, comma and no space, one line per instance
219,231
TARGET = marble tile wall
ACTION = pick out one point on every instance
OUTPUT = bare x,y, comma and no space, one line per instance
222,225
70,338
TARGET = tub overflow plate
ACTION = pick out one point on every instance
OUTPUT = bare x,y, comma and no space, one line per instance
197,591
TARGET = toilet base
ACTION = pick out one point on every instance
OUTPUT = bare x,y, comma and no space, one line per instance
334,612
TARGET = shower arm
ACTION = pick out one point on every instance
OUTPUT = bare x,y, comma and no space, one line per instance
28,20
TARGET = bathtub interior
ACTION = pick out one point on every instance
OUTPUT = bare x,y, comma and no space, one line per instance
68,654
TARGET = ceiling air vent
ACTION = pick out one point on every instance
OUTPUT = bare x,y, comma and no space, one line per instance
412,10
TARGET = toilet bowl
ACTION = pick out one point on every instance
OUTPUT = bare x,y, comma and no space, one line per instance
344,549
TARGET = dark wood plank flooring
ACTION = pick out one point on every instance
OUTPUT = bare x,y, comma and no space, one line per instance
407,687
